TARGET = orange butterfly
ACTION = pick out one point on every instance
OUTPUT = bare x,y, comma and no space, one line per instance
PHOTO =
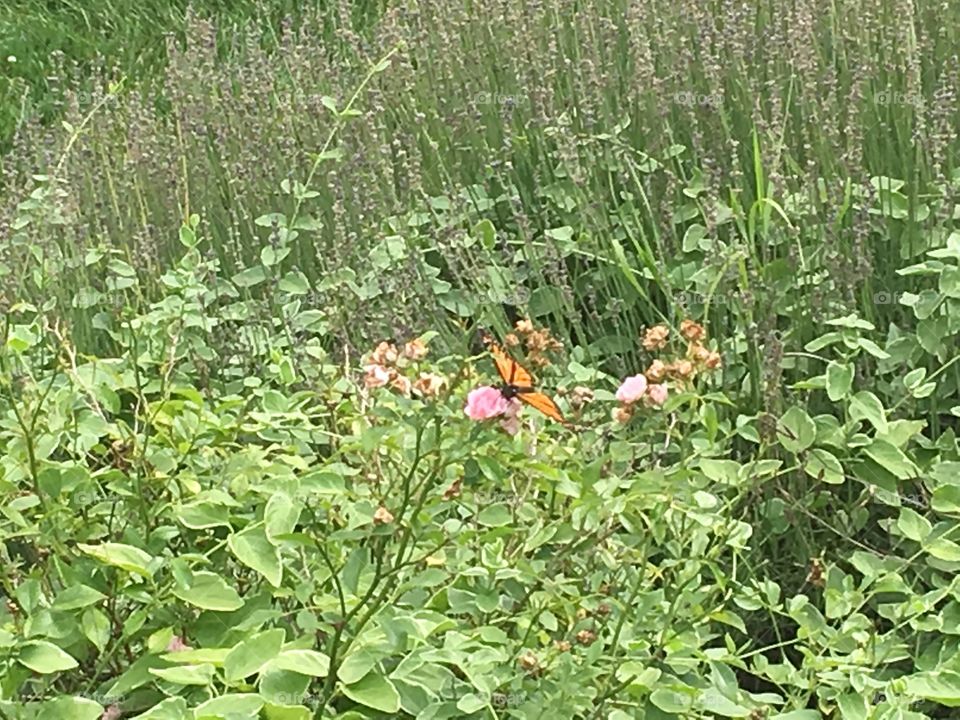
518,382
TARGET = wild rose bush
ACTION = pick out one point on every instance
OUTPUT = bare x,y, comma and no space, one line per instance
302,535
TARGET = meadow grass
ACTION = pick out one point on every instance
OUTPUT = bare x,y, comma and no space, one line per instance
767,169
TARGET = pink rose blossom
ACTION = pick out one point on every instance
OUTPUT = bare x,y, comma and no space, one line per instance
486,402
632,389
657,394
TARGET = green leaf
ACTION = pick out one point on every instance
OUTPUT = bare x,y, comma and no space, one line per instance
250,277
458,302
281,515
250,655
873,349
496,515
867,406
295,283
45,657
126,557
356,666
939,686
186,674
76,597
70,708
307,662
943,549
913,525
722,471
892,459
798,432
235,706
671,701
282,686
96,627
823,465
253,548
544,300
839,380
374,691
210,592
174,708
852,707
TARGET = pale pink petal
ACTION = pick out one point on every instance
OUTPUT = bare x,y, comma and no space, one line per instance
657,394
485,402
632,389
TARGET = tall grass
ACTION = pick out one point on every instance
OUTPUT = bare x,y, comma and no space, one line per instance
627,157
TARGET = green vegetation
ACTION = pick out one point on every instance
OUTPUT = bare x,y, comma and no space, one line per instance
223,494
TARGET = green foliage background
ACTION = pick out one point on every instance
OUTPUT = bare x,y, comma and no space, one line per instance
210,217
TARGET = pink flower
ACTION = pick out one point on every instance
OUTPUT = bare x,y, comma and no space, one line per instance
632,389
486,402
657,394
113,712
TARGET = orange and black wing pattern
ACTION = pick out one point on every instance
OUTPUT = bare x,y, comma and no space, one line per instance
543,403
518,382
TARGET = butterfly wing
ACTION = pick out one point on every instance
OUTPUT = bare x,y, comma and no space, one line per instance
544,404
511,372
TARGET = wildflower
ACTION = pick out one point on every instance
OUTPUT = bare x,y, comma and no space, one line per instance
713,361
385,354
524,327
540,361
580,396
485,402
681,369
415,350
454,490
632,389
657,394
529,662
656,372
400,383
177,644
692,331
11,58
698,353
511,340
655,338
382,516
562,645
113,712
586,637
622,414
429,384
376,376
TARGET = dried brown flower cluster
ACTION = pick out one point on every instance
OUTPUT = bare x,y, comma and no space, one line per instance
682,369
536,342
387,366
